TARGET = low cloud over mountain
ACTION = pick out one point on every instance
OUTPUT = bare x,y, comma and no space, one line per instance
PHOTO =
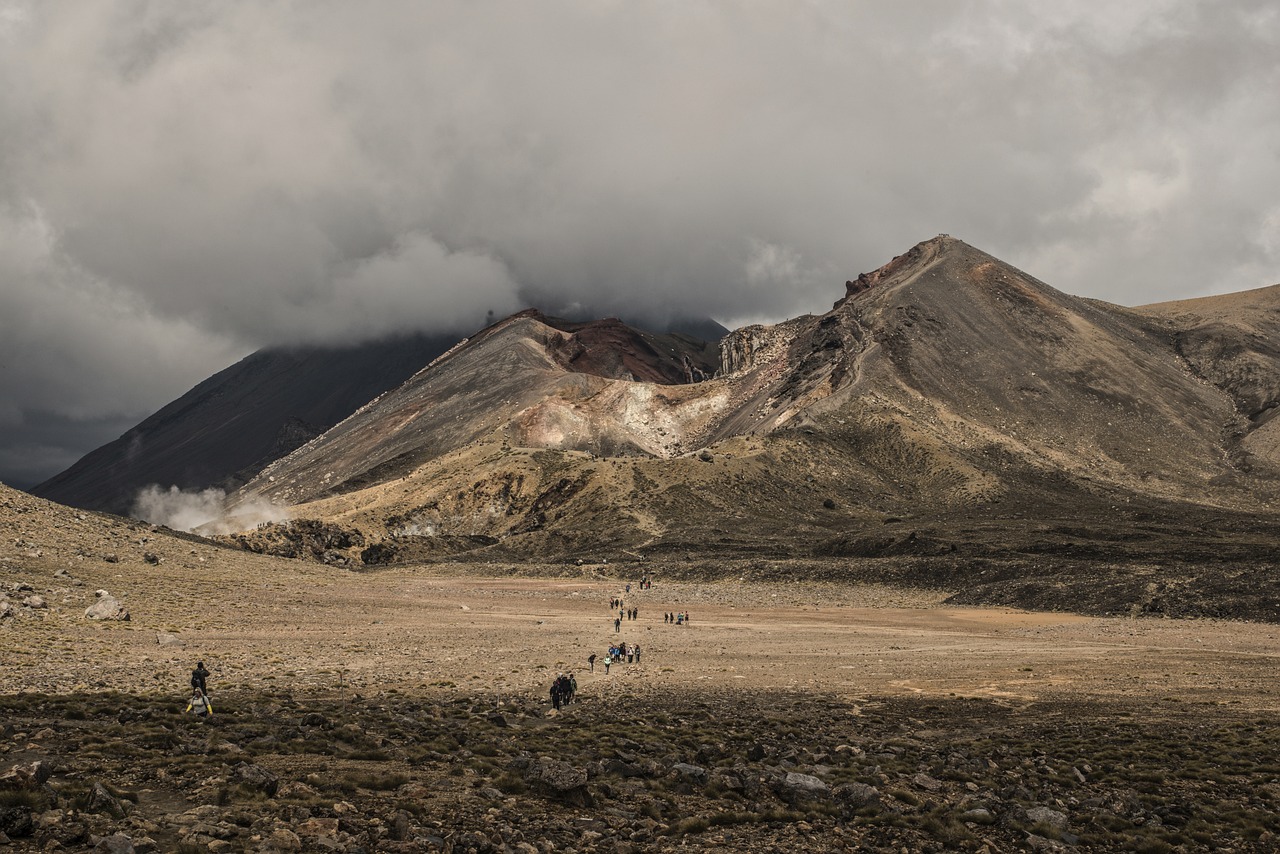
181,185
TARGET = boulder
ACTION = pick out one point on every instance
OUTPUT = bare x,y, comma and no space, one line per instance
29,778
857,795
1047,817
283,839
35,602
168,639
560,781
256,777
16,822
102,801
795,787
106,608
116,843
929,784
694,773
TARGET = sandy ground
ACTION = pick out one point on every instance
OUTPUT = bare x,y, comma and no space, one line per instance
285,625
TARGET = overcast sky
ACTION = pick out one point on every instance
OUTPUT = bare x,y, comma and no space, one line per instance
182,183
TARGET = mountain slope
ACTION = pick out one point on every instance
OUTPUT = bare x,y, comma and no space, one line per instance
536,377
230,425
1233,342
945,386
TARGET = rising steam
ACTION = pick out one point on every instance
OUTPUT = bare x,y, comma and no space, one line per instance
204,512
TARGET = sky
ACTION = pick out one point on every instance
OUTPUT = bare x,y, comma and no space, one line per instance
184,183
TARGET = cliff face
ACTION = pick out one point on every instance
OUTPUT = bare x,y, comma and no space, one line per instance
745,349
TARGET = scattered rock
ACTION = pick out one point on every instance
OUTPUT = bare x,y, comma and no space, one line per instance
106,608
1047,817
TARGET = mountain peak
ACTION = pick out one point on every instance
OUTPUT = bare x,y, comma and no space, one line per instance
905,266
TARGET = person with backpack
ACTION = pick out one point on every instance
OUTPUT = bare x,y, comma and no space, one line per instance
199,704
199,678
591,661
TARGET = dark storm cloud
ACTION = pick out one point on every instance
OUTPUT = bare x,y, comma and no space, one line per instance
181,183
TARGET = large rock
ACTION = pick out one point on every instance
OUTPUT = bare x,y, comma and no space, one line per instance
857,795
30,777
256,777
1048,818
102,801
116,843
795,787
106,608
16,821
560,781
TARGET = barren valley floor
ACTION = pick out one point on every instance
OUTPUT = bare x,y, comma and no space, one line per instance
407,709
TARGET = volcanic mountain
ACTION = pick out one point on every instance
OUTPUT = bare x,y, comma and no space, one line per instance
946,388
229,426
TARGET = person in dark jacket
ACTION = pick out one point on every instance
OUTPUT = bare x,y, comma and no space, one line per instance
199,678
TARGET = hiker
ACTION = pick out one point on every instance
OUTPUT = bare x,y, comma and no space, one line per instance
573,688
556,688
199,678
617,624
637,650
199,704
607,661
591,661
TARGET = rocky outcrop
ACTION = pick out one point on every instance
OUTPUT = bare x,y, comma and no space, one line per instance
744,349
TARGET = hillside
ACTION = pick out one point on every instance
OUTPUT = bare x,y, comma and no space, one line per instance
232,424
949,407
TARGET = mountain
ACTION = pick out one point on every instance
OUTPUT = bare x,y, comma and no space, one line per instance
232,424
947,404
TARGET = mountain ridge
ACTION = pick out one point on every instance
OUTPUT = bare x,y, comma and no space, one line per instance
944,385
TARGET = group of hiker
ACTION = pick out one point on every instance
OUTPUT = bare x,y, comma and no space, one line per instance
563,690
200,704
